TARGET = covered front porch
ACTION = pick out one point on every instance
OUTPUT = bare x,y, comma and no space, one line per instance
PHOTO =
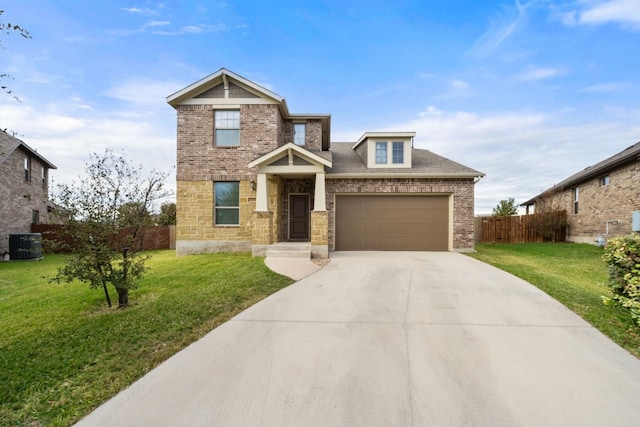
290,200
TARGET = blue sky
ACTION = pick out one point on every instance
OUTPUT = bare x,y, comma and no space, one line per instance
527,92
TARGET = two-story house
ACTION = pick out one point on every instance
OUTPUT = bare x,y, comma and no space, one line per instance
250,173
24,193
601,201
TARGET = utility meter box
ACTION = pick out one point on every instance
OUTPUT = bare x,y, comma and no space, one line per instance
635,221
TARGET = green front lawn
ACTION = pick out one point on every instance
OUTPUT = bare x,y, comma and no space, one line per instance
573,274
63,352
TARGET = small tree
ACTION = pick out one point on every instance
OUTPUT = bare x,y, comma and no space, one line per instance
113,195
506,208
622,254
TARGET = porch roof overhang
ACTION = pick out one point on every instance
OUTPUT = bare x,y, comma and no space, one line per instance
265,163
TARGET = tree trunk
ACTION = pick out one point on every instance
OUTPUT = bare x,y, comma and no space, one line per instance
106,293
123,297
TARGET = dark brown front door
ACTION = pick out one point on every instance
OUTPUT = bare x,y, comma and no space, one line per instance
299,217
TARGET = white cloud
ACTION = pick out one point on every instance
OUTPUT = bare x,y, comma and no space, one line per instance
500,29
143,92
148,140
460,85
540,73
607,87
522,153
623,12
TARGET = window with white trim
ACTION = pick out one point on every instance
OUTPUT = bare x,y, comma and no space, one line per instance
605,180
575,192
226,203
397,152
381,152
227,128
299,131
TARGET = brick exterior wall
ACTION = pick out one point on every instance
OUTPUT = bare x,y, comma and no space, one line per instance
463,199
18,199
313,134
199,160
598,204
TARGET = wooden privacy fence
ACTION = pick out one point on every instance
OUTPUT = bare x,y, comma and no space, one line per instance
155,237
540,227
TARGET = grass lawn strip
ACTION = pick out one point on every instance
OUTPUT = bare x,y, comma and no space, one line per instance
573,274
63,352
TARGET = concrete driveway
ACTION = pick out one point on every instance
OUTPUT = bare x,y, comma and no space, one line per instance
392,339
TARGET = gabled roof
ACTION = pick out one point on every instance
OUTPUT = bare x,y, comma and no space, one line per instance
425,164
625,156
221,76
290,148
8,144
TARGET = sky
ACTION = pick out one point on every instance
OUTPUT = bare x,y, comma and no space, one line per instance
528,92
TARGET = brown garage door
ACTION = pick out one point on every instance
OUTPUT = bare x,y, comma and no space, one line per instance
392,223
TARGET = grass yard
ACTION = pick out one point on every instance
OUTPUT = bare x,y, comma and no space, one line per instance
63,352
573,274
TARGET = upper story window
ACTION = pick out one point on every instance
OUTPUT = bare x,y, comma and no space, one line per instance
227,128
299,130
226,203
575,195
381,152
605,180
27,169
397,154
44,178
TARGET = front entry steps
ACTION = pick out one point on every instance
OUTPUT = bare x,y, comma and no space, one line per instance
301,250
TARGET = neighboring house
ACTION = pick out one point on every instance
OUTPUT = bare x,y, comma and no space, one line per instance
24,192
601,201
250,174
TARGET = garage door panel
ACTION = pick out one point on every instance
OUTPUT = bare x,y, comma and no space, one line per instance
395,223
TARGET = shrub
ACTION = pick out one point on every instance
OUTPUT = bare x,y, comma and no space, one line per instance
622,254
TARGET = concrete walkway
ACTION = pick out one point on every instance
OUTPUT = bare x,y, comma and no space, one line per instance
392,339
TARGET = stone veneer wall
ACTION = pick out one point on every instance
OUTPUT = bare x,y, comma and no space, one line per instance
18,199
463,200
319,234
598,204
195,230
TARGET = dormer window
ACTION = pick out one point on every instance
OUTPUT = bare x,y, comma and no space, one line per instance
390,150
299,134
381,153
398,152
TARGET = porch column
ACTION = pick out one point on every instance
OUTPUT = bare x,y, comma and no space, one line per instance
262,194
320,203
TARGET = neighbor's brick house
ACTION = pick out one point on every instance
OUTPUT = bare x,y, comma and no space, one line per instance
24,193
250,174
601,201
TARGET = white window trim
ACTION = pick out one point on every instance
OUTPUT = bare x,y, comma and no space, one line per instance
373,158
304,134
216,128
